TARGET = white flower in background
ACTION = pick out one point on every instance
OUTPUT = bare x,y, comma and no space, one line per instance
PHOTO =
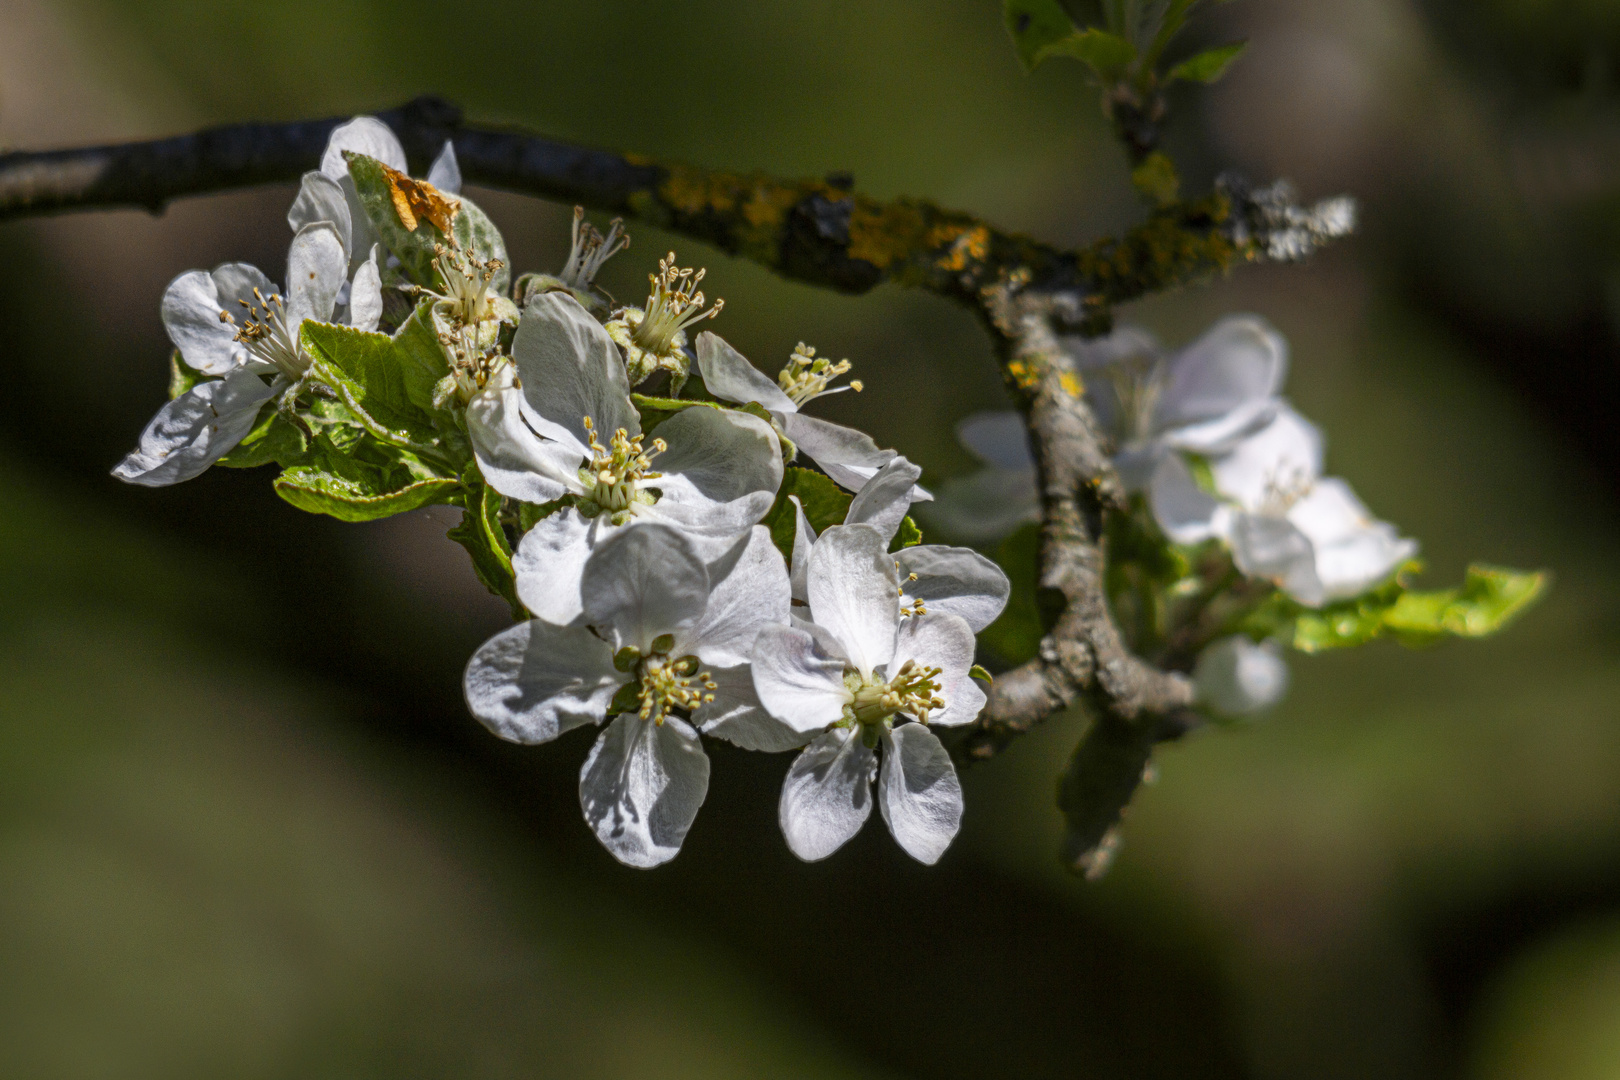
932,577
988,504
850,457
329,194
561,423
854,674
1236,677
654,337
1202,399
668,638
200,309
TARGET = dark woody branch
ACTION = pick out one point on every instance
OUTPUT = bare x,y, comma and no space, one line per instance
823,233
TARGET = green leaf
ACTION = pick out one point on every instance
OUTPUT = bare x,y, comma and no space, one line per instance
1034,25
1489,598
1108,55
274,439
1016,634
470,226
420,357
655,410
1156,179
825,504
908,535
1208,65
376,375
351,488
182,376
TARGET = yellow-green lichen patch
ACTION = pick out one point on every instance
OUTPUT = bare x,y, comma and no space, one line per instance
886,233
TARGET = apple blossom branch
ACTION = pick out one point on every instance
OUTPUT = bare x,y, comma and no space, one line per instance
823,233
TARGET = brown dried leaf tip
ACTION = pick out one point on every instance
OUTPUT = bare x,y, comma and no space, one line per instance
417,199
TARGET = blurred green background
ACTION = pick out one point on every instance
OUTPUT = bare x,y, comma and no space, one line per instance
248,830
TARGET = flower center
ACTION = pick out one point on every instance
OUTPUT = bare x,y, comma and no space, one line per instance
1282,491
268,337
913,689
672,684
613,478
807,374
674,305
590,250
466,283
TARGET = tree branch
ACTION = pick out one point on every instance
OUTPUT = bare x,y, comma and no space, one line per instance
823,233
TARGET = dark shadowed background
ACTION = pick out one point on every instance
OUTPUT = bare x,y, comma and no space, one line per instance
248,830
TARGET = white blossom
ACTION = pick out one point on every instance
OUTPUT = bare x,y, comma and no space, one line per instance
660,626
560,423
853,674
932,577
200,311
990,503
1236,677
850,457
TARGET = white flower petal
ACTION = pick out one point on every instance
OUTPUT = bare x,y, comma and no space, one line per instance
945,642
512,458
195,430
804,538
729,376
999,439
850,457
550,560
321,198
1186,512
918,792
985,505
955,581
445,172
643,582
1240,362
191,314
708,523
365,294
1354,551
1272,548
1121,344
534,681
1285,455
827,795
749,588
641,788
571,369
738,716
798,681
1222,433
884,500
1236,677
364,135
855,594
316,268
717,456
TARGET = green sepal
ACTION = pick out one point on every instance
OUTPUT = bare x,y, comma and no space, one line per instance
825,504
470,226
273,440
626,658
182,376
1034,26
1208,65
1107,55
627,700
907,535
978,672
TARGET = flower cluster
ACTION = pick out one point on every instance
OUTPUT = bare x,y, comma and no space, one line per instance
1205,439
636,536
